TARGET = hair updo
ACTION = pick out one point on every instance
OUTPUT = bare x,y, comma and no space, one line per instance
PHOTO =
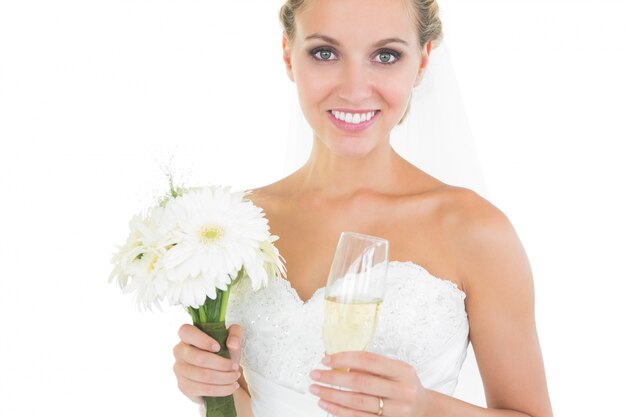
425,13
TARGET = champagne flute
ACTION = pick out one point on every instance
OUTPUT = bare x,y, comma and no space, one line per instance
354,292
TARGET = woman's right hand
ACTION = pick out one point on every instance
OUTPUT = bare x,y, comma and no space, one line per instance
199,370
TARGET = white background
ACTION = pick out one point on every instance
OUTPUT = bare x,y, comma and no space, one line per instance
95,94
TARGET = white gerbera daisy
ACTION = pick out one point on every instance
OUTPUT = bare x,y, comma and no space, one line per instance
193,245
268,264
138,264
218,233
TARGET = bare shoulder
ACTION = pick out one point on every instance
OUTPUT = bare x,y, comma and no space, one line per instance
481,241
467,215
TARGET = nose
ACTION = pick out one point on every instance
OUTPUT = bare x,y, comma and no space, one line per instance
355,83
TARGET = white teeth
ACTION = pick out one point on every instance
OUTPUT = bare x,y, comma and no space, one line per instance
354,118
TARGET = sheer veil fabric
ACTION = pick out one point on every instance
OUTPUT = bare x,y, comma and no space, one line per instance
435,136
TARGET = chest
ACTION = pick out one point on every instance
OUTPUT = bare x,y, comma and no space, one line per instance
309,234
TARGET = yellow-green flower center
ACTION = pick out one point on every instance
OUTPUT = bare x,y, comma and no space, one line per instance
152,263
210,234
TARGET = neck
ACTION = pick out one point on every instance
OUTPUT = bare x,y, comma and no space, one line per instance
337,177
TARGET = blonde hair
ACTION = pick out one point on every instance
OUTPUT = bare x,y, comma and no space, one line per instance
425,15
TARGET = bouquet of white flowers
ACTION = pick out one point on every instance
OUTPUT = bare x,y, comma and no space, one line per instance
189,249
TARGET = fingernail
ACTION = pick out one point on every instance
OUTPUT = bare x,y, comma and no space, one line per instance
326,360
314,389
238,375
236,385
235,366
233,343
215,347
322,404
315,375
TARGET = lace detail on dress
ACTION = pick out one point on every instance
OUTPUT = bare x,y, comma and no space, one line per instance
422,318
436,312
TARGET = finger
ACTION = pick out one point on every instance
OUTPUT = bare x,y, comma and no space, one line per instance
369,362
198,389
196,337
205,375
357,381
194,356
347,399
234,342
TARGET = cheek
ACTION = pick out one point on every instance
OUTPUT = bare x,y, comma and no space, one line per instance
312,84
400,84
396,94
314,90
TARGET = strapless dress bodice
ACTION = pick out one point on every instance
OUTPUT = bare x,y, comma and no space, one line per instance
422,322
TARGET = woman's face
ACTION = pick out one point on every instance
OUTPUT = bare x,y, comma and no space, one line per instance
354,63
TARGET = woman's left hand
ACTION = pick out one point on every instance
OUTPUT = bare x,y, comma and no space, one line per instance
378,386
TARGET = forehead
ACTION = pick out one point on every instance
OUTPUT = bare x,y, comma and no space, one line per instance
367,19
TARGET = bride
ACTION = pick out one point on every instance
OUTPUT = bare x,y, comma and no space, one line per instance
460,273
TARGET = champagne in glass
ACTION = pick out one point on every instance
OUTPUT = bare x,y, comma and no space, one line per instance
354,292
349,326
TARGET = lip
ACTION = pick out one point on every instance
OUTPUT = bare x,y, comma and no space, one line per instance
352,110
351,127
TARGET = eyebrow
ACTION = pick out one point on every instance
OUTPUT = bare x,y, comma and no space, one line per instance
378,44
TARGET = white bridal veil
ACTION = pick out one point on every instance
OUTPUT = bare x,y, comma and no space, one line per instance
435,135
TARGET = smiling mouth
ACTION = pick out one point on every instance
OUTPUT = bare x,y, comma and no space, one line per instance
353,118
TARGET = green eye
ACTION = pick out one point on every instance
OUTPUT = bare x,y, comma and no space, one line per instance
387,57
324,55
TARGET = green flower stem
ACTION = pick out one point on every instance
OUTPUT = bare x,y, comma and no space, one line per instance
194,314
203,314
224,304
209,318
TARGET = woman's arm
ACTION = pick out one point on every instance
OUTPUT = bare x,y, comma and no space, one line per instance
497,279
242,399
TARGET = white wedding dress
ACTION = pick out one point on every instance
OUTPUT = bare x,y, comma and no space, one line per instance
422,322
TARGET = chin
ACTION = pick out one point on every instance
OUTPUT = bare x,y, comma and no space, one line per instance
349,145
352,147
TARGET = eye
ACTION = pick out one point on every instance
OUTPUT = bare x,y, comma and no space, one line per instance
322,54
387,56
